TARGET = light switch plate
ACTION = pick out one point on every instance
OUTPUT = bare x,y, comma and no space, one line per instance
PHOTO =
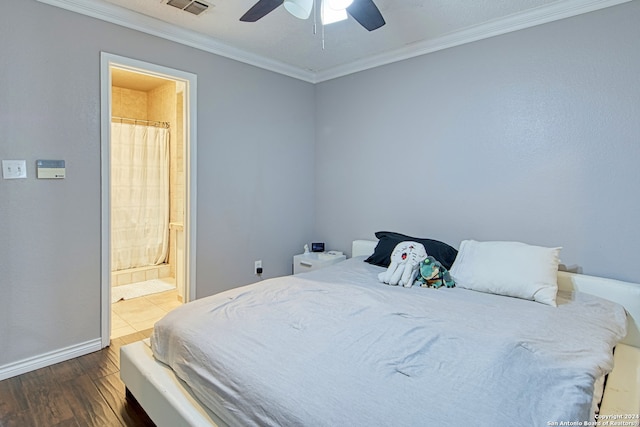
14,169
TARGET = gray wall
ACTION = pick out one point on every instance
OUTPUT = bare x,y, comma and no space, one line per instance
255,163
531,136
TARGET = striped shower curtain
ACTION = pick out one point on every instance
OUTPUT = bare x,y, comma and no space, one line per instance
139,195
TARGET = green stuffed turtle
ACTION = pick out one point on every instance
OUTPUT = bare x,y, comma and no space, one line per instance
431,274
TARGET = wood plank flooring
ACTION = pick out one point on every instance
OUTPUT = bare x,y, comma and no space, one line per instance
81,392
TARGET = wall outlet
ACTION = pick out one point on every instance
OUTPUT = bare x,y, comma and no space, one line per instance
257,268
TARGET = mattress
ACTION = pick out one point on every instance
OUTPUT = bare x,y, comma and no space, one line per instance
336,347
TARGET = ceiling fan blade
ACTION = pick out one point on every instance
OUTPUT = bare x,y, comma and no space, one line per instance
260,9
367,14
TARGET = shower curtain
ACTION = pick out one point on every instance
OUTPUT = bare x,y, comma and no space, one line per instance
139,195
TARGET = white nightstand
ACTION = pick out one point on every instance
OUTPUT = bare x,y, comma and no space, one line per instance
314,260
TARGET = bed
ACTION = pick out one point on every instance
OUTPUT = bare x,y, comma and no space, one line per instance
321,381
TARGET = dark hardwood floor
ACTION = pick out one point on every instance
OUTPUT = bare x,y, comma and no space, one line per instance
81,392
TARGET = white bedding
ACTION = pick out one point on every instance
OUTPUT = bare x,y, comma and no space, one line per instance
336,347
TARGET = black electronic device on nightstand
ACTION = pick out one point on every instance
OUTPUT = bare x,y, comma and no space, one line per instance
317,247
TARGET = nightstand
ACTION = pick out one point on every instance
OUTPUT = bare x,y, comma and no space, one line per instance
314,260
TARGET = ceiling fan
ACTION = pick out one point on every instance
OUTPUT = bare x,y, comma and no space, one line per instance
363,11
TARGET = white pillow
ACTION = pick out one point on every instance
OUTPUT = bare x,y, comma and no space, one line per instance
508,268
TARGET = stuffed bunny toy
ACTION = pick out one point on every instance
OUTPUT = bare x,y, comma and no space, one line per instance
405,261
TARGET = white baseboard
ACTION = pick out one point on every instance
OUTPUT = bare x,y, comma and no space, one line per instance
47,359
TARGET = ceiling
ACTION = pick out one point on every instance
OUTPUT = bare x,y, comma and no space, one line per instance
285,44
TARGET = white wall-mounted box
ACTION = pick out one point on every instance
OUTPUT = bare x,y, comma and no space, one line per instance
50,169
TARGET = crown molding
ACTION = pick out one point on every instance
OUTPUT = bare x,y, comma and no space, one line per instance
136,21
519,21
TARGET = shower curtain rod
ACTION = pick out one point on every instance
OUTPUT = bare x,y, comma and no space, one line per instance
154,123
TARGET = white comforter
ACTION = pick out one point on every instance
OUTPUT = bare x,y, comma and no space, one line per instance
336,348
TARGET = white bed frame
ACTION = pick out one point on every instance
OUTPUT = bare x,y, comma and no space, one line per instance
169,402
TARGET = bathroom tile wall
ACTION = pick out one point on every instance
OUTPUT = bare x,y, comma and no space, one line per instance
129,103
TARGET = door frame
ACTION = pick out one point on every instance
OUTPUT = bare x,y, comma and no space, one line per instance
108,60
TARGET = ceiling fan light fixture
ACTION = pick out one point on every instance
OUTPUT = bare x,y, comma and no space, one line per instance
329,15
299,8
364,11
338,4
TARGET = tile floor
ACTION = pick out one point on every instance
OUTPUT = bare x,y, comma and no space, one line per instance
139,314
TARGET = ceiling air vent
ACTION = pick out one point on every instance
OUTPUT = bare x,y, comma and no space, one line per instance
195,7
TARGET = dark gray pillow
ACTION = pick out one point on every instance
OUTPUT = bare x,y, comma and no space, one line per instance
387,241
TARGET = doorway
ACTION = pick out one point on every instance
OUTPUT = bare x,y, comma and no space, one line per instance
148,231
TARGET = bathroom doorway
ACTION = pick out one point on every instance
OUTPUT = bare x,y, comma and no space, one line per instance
148,244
